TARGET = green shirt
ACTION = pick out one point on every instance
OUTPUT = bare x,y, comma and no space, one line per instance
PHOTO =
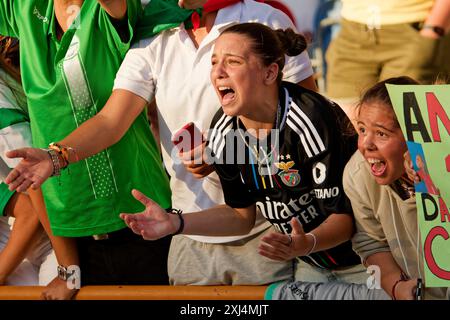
162,15
66,83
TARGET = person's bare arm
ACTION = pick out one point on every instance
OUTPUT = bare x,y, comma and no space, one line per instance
390,274
155,223
65,250
439,16
98,133
221,221
116,9
191,4
66,12
336,229
26,228
108,126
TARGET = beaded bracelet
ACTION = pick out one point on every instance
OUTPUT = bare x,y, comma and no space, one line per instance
179,213
65,152
55,161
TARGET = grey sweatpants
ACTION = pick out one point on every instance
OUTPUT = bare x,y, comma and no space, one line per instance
193,262
299,290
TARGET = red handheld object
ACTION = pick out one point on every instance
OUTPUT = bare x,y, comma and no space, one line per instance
188,137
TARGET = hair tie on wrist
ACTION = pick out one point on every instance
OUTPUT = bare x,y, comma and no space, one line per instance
179,213
403,277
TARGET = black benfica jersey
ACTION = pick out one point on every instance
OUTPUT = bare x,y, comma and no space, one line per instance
294,171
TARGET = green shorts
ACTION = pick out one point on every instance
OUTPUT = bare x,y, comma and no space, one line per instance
359,57
5,196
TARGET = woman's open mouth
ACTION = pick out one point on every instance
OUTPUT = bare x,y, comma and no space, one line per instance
377,166
227,94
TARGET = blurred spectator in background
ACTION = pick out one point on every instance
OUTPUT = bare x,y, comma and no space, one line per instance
387,38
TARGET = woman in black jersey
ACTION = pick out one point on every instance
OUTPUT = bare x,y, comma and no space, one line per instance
277,147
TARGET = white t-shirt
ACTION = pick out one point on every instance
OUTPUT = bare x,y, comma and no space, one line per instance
14,130
170,68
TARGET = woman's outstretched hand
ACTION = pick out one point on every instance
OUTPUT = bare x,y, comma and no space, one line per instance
35,167
154,222
284,247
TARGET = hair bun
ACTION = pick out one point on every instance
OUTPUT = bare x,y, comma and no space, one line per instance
292,43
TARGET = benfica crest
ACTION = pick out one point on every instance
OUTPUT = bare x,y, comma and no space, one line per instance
290,177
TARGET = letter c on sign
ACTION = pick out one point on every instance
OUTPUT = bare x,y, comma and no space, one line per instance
434,268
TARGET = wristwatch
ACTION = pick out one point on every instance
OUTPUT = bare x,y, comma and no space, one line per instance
63,274
436,29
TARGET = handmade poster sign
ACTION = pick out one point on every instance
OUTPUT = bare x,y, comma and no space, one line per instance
423,113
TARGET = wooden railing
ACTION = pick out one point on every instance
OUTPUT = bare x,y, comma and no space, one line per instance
145,293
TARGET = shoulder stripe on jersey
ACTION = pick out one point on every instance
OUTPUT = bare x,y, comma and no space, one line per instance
220,134
220,121
303,126
300,123
295,117
302,137
214,131
310,125
222,127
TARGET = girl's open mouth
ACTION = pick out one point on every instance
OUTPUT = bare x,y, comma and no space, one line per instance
377,166
227,94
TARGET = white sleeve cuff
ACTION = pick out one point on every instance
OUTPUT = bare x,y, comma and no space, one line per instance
298,68
137,87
